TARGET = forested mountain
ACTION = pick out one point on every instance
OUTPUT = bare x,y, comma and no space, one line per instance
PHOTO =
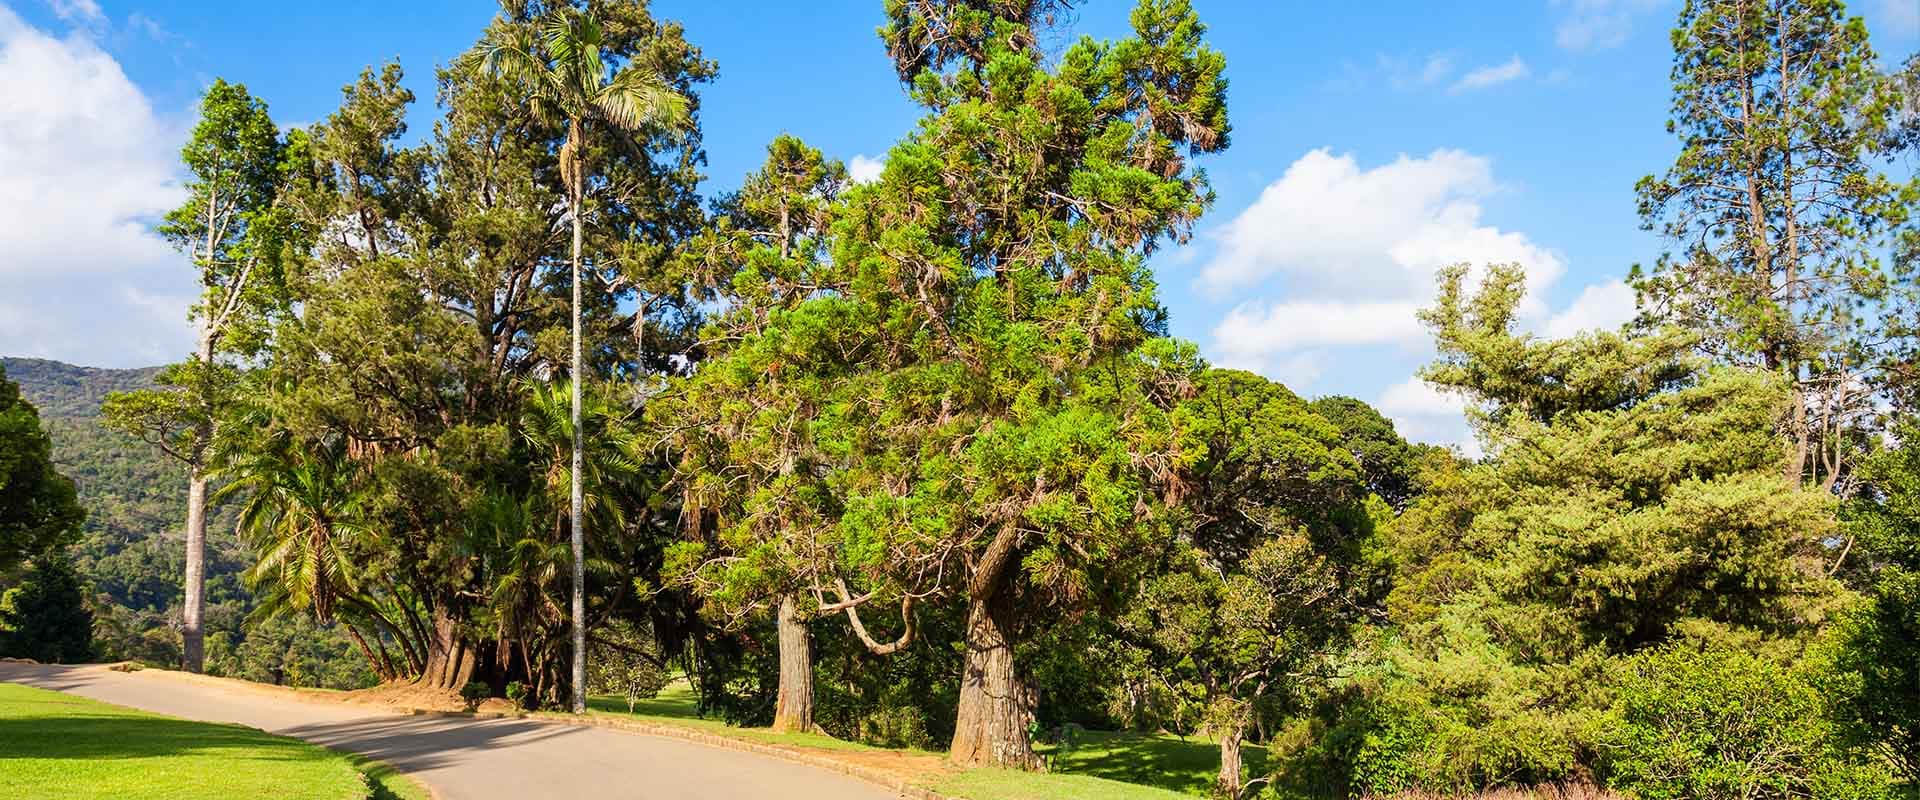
130,549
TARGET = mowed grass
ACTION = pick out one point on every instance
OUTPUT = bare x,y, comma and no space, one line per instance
1100,765
677,704
1187,765
55,745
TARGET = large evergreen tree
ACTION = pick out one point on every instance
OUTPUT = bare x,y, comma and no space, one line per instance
438,297
1779,215
967,377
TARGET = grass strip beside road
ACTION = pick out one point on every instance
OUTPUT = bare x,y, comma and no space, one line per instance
55,745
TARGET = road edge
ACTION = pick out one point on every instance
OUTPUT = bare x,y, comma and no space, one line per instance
885,780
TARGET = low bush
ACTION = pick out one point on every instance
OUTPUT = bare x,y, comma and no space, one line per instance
1714,723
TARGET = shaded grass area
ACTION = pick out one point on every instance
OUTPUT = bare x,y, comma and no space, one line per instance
1099,765
1186,765
677,704
58,745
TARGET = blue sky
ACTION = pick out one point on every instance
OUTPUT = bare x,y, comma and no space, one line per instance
1372,143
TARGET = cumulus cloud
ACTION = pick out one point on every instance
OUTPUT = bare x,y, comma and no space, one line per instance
1492,75
1602,306
1332,262
86,165
1423,413
1259,336
1328,228
1592,25
864,169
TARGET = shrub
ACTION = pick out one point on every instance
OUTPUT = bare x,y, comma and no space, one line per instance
517,693
1876,677
474,693
1457,716
1705,723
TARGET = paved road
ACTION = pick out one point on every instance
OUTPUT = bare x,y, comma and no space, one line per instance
470,759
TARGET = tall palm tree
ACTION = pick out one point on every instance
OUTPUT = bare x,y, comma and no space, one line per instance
567,76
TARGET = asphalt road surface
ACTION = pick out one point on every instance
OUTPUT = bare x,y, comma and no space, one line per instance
466,759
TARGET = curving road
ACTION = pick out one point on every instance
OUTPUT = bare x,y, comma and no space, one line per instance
465,759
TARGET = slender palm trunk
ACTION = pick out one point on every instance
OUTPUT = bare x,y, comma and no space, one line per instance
579,459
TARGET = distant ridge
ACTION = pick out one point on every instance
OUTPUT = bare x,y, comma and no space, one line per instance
62,390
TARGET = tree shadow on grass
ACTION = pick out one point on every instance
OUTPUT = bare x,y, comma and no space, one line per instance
1186,766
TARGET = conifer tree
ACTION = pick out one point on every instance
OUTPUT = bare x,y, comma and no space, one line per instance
1779,217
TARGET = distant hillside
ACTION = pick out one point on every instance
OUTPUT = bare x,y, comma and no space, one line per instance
131,551
135,497
64,390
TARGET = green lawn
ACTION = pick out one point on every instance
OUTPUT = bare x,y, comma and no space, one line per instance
1100,765
58,745
677,704
1186,765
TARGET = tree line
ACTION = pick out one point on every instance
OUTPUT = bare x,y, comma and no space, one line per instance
915,461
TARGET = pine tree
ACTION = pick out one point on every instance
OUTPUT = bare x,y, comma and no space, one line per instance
1779,218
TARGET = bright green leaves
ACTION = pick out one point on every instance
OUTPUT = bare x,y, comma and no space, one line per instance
232,225
39,509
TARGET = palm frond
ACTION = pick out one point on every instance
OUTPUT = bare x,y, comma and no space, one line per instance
636,98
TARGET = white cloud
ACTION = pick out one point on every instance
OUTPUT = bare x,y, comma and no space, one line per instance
1292,342
80,12
1601,306
85,166
1423,413
1328,229
863,169
1332,262
1493,75
1590,25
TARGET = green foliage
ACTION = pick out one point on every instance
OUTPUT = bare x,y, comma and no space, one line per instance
1634,496
1877,657
623,659
39,510
291,651
44,617
131,572
475,692
1779,218
1389,464
1713,723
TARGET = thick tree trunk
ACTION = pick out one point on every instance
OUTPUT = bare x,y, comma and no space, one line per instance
1227,785
793,709
192,637
579,455
450,660
996,705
